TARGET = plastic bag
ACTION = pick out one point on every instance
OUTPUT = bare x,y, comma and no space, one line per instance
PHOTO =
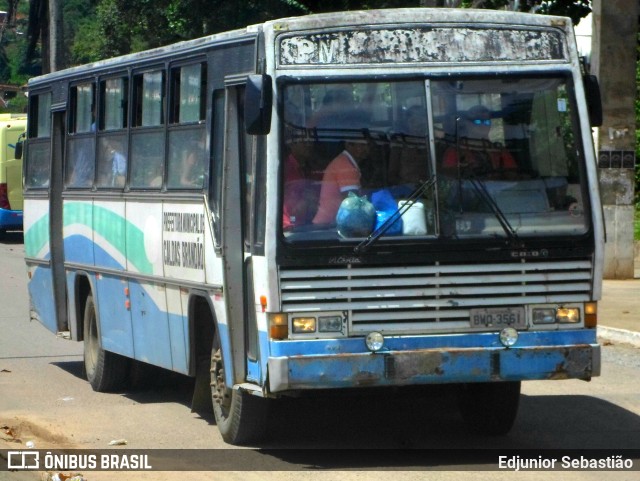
386,206
356,216
414,218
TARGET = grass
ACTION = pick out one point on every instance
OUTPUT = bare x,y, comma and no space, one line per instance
636,223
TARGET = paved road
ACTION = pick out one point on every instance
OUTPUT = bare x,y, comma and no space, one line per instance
44,399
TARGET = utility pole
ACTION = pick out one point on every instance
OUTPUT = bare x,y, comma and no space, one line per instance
56,36
615,29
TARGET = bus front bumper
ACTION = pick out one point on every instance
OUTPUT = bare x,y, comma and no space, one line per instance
431,366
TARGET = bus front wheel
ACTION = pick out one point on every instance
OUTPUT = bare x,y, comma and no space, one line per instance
105,371
489,408
241,417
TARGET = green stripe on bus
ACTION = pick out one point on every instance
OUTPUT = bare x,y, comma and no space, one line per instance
36,237
124,236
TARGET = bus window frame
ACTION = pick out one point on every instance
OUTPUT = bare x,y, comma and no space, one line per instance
174,125
121,134
101,106
37,140
137,129
74,137
174,101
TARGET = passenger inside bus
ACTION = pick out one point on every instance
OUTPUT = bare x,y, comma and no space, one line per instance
301,183
475,155
118,162
335,102
82,166
408,158
341,176
191,168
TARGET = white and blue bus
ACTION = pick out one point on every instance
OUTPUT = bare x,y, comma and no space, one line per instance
307,204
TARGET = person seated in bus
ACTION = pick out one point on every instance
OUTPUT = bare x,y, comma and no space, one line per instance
301,184
408,158
81,168
335,103
341,176
191,167
118,162
475,155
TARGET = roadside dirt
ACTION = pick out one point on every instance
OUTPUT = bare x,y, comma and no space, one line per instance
21,431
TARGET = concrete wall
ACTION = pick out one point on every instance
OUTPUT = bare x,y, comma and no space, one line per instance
613,60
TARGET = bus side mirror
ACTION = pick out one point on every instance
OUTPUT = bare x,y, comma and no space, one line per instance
258,101
19,146
594,100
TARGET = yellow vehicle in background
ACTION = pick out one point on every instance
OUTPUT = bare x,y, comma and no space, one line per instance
12,128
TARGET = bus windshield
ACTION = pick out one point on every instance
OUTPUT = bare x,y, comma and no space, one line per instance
503,155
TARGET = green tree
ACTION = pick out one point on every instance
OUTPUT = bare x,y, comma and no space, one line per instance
637,105
98,29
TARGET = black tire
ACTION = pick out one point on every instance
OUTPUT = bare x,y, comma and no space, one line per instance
241,417
105,371
489,408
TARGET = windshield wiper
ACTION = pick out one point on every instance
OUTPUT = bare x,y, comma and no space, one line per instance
408,202
482,191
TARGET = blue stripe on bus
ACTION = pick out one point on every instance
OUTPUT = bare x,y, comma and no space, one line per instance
40,289
78,248
144,331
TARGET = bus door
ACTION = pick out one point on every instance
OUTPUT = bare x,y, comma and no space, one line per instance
55,221
237,238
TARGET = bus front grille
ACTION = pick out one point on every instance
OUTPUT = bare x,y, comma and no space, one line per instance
412,299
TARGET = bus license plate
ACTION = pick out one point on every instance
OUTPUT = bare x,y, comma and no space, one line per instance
497,318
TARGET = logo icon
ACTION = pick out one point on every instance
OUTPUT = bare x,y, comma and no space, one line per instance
23,460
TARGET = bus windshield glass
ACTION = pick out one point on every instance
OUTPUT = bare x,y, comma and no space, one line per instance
503,156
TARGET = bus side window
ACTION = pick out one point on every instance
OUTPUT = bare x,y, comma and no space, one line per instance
39,122
187,166
147,139
112,161
81,144
112,146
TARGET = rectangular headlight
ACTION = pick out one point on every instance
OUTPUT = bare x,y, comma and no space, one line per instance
544,315
568,315
330,323
304,324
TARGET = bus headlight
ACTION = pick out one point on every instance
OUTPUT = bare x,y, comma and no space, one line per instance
544,315
508,336
303,324
374,341
552,315
568,315
330,323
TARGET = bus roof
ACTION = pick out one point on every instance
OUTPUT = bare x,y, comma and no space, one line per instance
416,15
334,20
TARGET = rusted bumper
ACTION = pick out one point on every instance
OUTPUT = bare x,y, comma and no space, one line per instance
432,365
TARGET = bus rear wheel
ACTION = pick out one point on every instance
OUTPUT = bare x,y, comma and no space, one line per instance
105,371
241,417
489,408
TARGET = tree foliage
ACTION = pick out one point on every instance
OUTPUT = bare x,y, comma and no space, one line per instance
98,29
637,105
